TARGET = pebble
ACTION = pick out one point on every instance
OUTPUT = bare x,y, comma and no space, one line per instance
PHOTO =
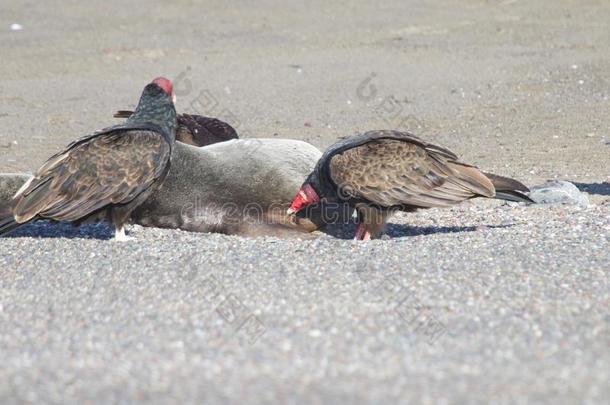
559,192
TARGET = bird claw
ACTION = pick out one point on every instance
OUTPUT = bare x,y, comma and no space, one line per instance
362,233
119,235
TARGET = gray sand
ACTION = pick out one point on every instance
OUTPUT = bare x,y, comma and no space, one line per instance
483,303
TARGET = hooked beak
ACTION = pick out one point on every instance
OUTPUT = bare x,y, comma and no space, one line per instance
306,196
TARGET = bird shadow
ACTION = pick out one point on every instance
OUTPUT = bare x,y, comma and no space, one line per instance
46,229
594,188
347,231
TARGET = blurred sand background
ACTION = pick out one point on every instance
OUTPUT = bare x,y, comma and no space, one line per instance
518,87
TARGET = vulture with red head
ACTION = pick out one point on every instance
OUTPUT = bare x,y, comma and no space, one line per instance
380,172
104,175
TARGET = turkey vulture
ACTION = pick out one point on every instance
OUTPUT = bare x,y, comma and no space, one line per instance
107,174
197,130
380,172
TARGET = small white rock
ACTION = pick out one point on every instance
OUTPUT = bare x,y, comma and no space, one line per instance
16,27
559,192
315,333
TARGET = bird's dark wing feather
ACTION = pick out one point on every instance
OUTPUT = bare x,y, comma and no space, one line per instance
205,130
110,168
123,114
196,130
405,171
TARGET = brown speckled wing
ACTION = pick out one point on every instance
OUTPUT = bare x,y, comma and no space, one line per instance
392,172
112,168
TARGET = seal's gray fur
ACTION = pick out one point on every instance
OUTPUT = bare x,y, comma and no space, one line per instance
10,183
242,186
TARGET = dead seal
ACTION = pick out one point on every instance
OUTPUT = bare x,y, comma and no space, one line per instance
237,187
10,183
241,186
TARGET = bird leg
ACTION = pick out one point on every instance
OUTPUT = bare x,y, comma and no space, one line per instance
362,233
119,217
371,221
119,234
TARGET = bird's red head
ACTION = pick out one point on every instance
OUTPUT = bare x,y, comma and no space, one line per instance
167,86
306,196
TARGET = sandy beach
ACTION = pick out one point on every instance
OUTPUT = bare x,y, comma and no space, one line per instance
487,302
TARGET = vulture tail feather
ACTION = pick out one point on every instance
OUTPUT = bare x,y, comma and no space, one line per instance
511,195
509,189
123,114
8,224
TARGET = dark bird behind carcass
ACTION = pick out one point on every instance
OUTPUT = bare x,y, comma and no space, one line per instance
380,172
196,130
105,175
